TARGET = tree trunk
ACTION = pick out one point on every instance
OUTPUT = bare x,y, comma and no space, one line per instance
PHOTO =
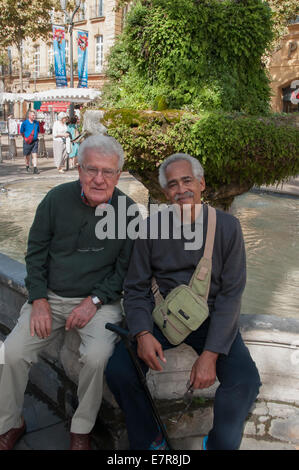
19,47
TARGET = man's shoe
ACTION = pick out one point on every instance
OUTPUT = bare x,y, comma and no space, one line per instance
35,171
9,439
204,443
159,443
80,441
27,169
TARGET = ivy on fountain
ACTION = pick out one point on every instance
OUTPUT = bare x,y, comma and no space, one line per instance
199,55
197,66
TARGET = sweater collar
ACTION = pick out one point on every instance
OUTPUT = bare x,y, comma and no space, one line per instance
85,201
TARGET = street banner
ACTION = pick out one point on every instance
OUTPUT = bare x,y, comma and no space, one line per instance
82,59
59,56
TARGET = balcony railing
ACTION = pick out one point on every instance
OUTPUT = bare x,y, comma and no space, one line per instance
295,20
47,72
96,10
6,70
81,15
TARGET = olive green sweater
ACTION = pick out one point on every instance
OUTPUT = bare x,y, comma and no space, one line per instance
64,254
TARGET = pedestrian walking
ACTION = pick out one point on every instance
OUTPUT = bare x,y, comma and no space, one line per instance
60,135
72,129
29,131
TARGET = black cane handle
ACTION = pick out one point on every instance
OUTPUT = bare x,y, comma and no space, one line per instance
119,330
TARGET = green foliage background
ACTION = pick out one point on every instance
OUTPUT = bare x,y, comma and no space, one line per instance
193,55
188,76
236,150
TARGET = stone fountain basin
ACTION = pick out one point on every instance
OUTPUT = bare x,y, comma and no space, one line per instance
273,342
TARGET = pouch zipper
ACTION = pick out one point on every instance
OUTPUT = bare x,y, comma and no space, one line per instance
171,324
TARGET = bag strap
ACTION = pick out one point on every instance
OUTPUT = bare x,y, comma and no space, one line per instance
206,260
208,252
209,245
157,294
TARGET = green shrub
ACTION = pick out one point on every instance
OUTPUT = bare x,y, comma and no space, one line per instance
193,55
237,151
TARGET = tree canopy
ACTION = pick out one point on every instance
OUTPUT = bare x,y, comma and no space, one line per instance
189,54
22,19
283,12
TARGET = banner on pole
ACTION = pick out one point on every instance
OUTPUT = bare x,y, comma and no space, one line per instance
59,56
82,59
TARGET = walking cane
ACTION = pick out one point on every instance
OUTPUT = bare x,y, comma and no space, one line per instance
127,338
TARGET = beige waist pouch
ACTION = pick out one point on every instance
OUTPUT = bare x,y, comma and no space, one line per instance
185,308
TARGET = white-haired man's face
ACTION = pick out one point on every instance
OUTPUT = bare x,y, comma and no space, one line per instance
31,115
182,186
99,174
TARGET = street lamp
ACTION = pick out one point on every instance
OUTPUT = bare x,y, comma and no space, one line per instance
70,22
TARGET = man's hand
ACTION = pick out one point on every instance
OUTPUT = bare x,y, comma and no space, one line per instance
41,318
149,349
203,373
81,315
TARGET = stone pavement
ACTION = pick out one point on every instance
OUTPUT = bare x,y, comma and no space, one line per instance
46,428
270,426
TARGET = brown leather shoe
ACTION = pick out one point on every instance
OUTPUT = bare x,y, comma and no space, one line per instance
80,441
9,439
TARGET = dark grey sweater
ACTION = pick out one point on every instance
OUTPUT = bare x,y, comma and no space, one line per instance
64,253
171,264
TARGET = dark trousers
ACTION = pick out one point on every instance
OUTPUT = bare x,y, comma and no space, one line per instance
239,385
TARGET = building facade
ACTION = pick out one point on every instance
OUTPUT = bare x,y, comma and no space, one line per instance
284,71
102,21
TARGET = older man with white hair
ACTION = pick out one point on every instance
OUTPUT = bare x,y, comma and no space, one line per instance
74,281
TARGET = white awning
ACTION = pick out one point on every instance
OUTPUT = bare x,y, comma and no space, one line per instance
74,95
15,97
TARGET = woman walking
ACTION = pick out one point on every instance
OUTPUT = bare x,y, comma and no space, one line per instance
59,135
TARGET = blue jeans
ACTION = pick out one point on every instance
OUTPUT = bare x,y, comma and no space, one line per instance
239,386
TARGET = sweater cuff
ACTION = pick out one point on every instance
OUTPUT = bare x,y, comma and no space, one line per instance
143,325
100,295
42,294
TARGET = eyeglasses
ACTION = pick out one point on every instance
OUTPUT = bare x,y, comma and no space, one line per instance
187,400
106,172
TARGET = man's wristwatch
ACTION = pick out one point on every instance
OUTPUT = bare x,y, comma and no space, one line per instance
96,301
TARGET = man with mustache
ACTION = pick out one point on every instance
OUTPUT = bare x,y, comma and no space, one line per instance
217,341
